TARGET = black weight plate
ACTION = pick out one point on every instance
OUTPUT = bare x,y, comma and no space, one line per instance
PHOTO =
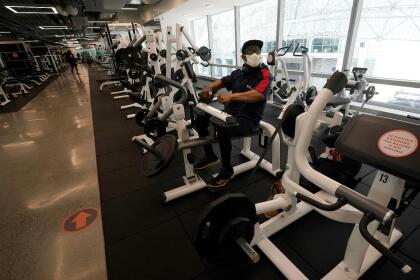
166,147
153,57
224,220
140,116
133,74
132,57
154,128
204,53
181,54
162,53
118,56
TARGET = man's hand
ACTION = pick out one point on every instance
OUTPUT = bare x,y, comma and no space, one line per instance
223,98
205,92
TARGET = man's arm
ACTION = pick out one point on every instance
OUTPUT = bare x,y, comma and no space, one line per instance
251,96
213,87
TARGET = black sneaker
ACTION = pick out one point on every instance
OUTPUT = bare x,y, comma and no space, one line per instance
224,176
206,162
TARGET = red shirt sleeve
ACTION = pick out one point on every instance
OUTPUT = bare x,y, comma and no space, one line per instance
265,82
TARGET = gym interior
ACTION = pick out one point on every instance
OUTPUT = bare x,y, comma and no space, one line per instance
207,139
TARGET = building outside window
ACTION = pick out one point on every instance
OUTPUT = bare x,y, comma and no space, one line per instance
321,26
223,32
200,36
388,40
259,21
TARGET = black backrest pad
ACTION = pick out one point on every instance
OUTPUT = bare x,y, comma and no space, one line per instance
383,143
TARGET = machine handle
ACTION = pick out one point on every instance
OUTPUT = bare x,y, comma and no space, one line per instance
363,228
326,207
286,48
413,117
304,50
294,51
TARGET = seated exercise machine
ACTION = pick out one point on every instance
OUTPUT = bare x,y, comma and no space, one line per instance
161,151
231,221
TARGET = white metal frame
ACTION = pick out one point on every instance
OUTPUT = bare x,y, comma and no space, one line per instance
194,183
359,255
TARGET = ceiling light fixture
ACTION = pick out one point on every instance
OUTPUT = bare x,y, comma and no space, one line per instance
32,10
94,27
5,32
129,9
52,27
100,21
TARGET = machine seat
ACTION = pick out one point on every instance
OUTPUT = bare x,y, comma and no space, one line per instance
334,101
386,144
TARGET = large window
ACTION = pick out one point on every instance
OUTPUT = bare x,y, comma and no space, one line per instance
387,44
259,21
321,26
223,32
200,36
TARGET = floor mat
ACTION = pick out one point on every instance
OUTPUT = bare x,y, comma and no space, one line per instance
149,240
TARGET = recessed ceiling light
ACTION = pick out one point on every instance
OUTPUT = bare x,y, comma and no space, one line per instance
32,10
5,32
52,27
100,21
129,9
94,27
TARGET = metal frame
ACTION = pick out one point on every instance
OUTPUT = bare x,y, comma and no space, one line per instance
280,22
356,12
237,13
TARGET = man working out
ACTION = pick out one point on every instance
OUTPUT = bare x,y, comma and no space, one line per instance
250,86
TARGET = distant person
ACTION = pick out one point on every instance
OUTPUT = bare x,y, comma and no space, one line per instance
70,59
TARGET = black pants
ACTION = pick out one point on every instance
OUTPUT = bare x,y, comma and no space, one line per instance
224,136
74,65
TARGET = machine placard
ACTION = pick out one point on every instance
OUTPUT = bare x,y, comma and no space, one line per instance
397,143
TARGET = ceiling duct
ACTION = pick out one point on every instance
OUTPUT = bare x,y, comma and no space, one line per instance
104,5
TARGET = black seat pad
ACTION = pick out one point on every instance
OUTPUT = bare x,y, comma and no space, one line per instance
386,144
289,119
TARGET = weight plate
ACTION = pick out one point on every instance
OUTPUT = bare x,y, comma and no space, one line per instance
204,53
166,146
141,116
226,219
154,128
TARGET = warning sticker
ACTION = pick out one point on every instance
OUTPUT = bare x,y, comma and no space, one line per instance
397,143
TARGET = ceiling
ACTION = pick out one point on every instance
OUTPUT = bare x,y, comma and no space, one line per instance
76,15
198,8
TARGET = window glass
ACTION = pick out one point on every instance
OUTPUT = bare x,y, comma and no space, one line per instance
397,97
201,38
258,21
388,39
321,26
223,32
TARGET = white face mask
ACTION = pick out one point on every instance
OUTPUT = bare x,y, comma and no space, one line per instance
253,60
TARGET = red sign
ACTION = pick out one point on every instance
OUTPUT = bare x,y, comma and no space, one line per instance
81,219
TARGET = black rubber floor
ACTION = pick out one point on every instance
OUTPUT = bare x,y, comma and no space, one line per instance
20,101
147,240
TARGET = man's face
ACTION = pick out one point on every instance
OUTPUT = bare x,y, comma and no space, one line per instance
251,50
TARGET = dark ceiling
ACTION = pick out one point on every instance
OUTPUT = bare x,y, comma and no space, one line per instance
27,25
